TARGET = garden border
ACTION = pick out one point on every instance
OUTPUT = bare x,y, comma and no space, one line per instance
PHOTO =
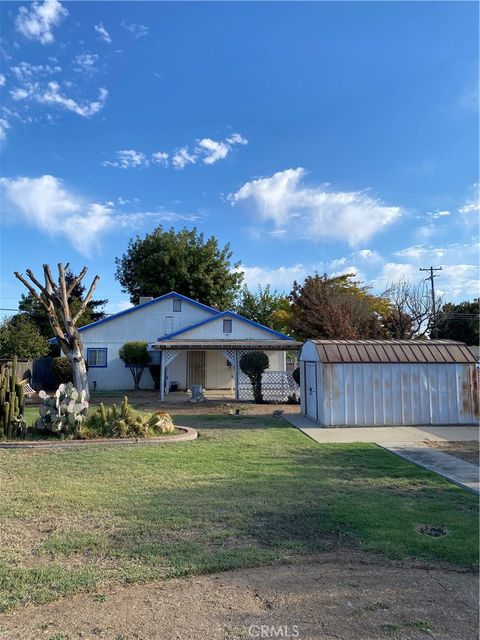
189,434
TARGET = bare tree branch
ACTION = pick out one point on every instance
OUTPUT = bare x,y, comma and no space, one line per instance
87,299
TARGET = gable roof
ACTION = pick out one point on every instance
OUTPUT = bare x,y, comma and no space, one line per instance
166,296
226,314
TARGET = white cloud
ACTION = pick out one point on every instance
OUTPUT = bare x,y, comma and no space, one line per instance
128,158
103,33
3,80
182,157
37,22
25,71
85,63
52,95
369,255
472,205
280,278
160,157
213,150
236,138
316,213
4,126
137,30
438,214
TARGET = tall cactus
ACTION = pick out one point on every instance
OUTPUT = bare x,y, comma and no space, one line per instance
12,403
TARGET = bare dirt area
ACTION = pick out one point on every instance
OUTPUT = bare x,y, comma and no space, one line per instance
468,450
342,595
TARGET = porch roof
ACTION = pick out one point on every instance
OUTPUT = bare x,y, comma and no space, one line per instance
244,345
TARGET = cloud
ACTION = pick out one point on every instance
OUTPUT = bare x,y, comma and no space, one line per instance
160,157
4,126
280,278
127,158
48,205
213,150
438,214
85,63
137,30
316,213
182,157
52,95
3,80
103,33
25,71
37,22
472,205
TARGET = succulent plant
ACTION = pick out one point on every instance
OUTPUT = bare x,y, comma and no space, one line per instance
64,412
12,403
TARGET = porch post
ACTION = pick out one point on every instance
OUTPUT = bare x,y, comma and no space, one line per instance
237,377
162,376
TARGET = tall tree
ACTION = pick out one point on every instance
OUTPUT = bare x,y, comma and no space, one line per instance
183,261
336,307
460,322
19,336
411,313
264,306
63,319
37,314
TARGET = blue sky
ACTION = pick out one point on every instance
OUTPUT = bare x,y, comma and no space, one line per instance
329,136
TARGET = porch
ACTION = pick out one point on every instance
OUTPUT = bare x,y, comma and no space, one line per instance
215,365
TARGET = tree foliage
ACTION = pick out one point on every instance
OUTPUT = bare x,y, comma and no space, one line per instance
265,306
336,307
20,336
183,261
460,322
135,355
253,364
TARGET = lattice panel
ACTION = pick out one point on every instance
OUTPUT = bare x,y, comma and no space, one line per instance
276,386
168,357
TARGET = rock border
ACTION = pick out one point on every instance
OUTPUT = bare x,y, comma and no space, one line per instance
189,434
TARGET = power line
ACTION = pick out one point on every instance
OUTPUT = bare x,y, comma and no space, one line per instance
432,277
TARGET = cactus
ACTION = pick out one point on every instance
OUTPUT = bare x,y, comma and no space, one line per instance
64,412
12,403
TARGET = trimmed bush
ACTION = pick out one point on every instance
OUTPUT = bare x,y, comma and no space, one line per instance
253,364
296,375
135,355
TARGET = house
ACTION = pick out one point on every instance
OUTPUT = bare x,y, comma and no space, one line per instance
388,382
191,342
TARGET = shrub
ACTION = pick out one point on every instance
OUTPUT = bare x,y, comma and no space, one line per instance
136,357
296,375
253,364
62,370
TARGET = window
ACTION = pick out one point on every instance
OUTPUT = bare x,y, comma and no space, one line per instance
227,326
177,305
97,357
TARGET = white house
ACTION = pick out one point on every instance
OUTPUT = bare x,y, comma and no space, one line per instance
193,344
388,382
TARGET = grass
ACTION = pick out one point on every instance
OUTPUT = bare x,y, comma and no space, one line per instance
250,490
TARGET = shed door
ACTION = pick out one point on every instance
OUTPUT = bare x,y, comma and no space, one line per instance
311,389
195,368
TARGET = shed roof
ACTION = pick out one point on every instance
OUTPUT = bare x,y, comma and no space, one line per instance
412,351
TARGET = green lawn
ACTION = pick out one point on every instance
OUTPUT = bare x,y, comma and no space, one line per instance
248,491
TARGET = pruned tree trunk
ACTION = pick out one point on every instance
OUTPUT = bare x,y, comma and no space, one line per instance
55,298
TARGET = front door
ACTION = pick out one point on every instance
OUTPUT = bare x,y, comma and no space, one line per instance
311,390
195,368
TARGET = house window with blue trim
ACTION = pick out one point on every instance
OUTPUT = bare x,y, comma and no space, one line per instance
227,326
177,305
97,357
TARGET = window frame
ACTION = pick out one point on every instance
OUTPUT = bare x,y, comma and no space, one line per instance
178,302
97,366
231,325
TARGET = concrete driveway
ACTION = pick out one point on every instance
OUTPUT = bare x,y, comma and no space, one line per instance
407,442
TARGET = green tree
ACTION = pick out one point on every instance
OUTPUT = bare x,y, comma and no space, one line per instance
38,314
253,364
460,322
136,357
182,261
264,306
336,307
20,336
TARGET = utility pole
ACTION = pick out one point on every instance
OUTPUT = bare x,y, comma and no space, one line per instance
434,310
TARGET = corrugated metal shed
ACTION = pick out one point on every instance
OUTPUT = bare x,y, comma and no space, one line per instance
393,351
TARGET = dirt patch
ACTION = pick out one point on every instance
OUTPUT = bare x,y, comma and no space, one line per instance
467,450
348,595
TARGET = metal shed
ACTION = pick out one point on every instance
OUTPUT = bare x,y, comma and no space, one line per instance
388,382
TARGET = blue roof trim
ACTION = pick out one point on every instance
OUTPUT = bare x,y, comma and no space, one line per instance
166,296
223,314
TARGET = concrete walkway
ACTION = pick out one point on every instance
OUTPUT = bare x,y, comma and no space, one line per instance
406,442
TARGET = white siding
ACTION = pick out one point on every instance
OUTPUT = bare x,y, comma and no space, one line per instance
214,331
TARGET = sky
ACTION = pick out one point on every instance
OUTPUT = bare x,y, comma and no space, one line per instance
313,137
